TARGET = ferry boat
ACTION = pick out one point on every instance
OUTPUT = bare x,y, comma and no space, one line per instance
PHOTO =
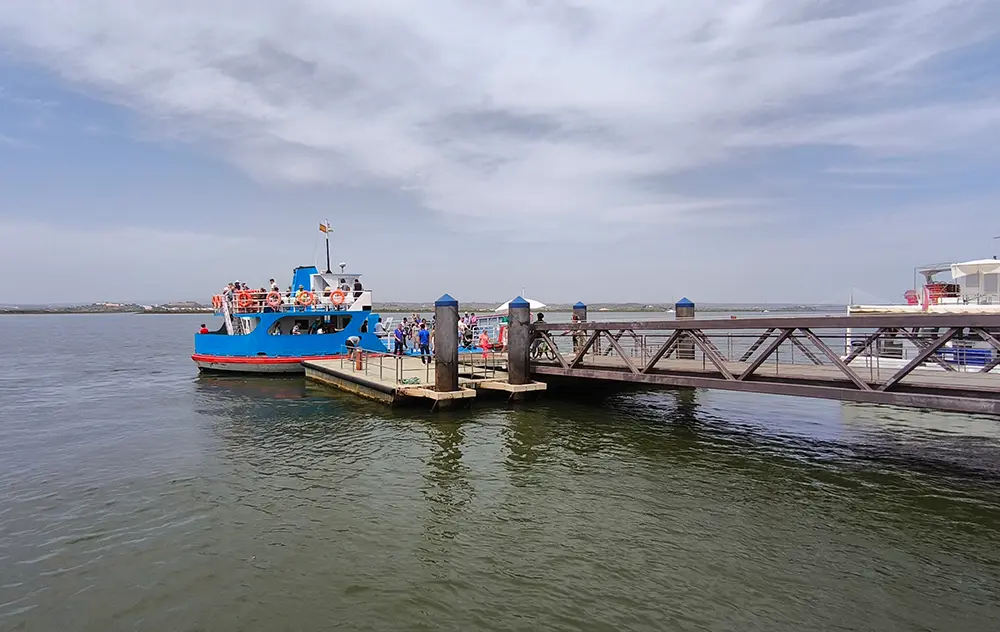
974,288
273,332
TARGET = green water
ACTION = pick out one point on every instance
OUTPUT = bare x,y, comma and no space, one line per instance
138,496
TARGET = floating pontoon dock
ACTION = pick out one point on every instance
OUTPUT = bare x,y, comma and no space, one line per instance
401,380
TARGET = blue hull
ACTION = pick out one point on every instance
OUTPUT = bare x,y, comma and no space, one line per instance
271,344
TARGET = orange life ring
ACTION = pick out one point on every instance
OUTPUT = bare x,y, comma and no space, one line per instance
217,302
243,299
305,298
274,299
337,297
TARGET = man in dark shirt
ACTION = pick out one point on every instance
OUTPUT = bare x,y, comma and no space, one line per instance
398,338
358,289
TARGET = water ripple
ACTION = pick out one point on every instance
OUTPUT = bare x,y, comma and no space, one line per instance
138,496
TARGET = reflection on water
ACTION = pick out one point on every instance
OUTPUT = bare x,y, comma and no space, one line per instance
180,502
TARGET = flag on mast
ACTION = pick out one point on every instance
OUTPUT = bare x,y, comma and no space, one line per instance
324,228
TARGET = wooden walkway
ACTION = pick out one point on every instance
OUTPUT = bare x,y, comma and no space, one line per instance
405,379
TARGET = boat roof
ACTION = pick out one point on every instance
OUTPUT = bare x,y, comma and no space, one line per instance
934,268
977,266
964,268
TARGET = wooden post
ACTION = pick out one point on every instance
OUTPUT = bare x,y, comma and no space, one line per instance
446,344
518,341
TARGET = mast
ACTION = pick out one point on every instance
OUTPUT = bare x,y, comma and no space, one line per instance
327,231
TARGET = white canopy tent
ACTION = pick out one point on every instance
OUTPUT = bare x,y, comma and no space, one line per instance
532,303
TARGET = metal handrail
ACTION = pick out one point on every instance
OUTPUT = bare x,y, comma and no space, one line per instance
395,368
256,303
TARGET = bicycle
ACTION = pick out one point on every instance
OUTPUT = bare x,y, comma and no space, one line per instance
541,350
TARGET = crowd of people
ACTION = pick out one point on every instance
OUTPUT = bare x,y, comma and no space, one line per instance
241,298
415,334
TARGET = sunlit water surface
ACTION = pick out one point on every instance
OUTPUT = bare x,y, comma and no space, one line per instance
139,496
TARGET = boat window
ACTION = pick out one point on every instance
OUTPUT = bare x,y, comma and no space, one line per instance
991,283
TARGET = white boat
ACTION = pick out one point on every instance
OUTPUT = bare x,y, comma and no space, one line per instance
974,288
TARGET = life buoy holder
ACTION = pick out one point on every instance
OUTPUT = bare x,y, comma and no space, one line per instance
243,299
217,302
305,298
337,297
274,299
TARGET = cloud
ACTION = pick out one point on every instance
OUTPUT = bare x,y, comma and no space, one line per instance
542,111
11,141
126,264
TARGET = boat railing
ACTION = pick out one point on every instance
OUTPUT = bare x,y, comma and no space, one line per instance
257,302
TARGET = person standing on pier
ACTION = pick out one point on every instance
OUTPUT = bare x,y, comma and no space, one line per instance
578,335
537,342
424,338
484,343
399,339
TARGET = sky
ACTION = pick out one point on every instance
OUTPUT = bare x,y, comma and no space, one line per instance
724,150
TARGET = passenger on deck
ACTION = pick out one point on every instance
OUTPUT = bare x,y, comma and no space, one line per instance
358,289
344,287
203,330
379,328
300,296
295,329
